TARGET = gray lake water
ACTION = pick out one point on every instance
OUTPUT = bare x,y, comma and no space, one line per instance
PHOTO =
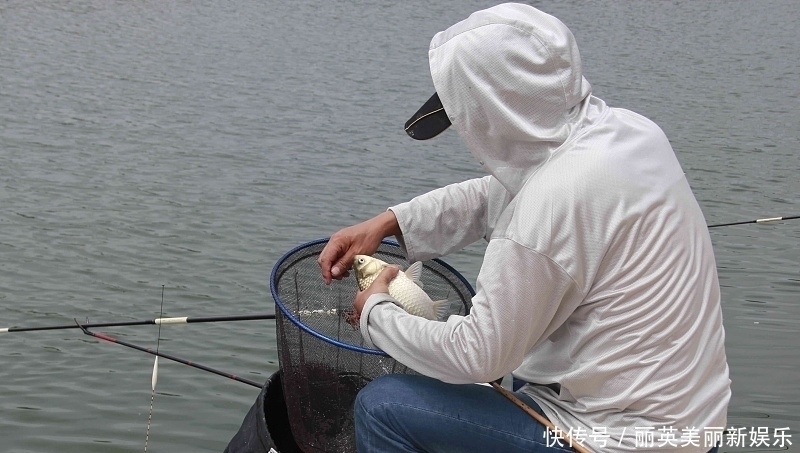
190,144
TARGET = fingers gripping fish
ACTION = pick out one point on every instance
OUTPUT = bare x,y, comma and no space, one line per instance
406,288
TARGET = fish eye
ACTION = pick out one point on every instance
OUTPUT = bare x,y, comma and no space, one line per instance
361,261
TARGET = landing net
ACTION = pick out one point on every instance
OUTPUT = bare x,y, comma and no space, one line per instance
322,356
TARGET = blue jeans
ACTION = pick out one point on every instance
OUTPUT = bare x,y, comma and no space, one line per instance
405,413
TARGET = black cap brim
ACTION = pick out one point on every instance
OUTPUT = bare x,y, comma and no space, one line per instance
429,121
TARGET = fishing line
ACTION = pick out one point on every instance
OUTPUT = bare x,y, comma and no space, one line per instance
155,373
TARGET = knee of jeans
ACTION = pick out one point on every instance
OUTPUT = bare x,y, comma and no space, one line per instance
374,396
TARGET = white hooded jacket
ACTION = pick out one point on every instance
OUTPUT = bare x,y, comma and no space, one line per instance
599,274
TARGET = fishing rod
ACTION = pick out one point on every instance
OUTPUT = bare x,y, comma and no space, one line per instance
156,321
110,339
768,219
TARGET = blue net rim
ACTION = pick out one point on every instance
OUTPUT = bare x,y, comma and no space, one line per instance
272,286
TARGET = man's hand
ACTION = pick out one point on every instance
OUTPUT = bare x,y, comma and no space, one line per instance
379,286
361,239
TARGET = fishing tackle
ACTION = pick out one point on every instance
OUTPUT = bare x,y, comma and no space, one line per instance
154,378
156,321
167,356
765,220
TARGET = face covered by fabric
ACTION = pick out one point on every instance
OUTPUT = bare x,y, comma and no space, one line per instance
510,80
406,288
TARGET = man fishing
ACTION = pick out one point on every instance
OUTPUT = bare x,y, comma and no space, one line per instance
598,289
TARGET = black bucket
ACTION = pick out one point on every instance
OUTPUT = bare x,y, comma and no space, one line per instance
265,428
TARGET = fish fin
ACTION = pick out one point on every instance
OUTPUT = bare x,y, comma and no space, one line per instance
414,272
441,308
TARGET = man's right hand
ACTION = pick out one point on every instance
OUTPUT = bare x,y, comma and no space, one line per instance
361,239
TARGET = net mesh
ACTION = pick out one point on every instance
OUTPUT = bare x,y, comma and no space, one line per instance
322,356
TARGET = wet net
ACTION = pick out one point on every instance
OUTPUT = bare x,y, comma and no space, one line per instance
322,356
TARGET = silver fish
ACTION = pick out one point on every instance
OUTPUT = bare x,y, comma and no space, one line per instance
406,288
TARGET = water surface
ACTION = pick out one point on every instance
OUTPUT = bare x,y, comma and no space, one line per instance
190,144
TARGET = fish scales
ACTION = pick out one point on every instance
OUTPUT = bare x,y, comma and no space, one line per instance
406,288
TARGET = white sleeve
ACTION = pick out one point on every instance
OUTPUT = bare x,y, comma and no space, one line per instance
522,298
443,220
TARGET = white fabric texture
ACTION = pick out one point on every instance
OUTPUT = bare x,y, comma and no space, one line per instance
599,274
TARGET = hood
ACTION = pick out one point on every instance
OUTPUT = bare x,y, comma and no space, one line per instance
511,81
